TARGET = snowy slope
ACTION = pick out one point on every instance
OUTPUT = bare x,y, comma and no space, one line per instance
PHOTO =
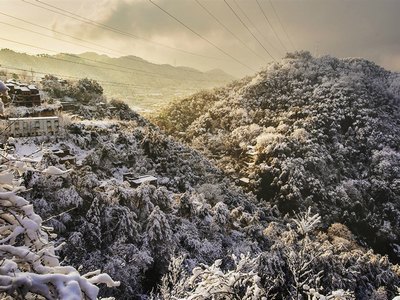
325,133
194,234
194,214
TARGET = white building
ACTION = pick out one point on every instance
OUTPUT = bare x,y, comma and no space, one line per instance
33,126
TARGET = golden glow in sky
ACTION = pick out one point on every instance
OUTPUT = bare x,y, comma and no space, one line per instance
343,28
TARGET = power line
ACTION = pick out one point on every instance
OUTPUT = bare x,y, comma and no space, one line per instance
80,39
113,29
202,37
280,22
248,29
67,54
45,35
227,29
270,25
254,26
93,23
146,73
103,82
70,36
72,77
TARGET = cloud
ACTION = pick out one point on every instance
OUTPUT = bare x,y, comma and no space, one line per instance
362,28
141,18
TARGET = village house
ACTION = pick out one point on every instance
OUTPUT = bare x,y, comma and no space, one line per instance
64,154
69,104
19,127
23,94
136,181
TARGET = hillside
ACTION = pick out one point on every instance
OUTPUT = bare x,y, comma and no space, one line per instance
186,232
192,234
319,132
141,84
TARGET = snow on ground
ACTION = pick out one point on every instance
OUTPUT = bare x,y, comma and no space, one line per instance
27,147
106,123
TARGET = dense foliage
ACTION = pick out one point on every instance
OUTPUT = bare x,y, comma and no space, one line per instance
320,132
193,234
82,90
132,233
194,214
29,267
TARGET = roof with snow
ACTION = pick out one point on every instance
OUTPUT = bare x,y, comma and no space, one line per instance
136,181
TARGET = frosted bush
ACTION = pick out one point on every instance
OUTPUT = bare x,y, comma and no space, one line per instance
268,139
307,222
314,294
300,134
212,282
29,263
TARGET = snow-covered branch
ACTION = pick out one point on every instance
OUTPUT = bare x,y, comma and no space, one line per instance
29,263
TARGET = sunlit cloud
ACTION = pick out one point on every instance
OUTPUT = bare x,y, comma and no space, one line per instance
361,28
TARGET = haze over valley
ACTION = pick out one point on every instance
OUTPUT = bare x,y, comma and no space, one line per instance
142,85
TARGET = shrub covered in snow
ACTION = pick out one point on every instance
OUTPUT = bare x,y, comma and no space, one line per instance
324,133
29,265
194,211
296,266
193,233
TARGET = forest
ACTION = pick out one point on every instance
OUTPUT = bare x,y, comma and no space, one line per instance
318,217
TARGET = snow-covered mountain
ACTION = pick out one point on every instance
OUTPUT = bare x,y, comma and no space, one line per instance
132,233
193,233
153,236
320,132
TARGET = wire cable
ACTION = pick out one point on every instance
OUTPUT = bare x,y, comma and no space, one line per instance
200,36
46,35
270,25
255,27
227,29
70,36
79,39
109,28
248,29
283,27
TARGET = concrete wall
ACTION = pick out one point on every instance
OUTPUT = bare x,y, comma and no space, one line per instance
19,127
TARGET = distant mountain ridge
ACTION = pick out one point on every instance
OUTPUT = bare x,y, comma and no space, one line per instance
129,77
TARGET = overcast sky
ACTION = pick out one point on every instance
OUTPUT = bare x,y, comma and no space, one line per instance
343,28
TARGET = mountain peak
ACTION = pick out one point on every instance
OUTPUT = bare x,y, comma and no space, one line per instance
322,130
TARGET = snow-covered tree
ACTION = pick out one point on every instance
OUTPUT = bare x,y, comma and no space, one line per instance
29,264
212,282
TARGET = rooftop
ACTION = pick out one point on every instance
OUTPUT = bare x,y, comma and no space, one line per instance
34,118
